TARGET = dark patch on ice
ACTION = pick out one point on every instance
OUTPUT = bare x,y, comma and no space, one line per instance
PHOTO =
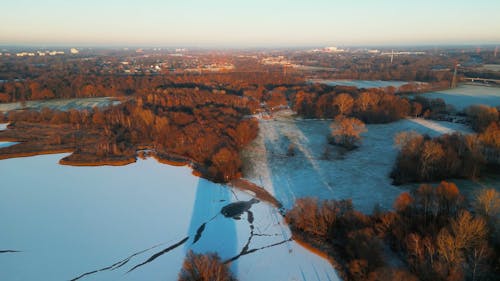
9,251
155,256
233,210
199,232
256,249
245,250
267,235
236,209
250,218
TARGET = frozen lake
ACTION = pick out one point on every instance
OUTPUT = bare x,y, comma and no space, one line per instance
362,175
362,83
465,95
105,223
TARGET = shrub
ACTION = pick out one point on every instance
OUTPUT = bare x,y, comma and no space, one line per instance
204,267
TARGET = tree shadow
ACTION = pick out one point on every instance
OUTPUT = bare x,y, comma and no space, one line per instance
209,230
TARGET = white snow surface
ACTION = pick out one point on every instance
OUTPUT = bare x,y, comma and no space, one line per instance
361,175
60,104
465,95
66,221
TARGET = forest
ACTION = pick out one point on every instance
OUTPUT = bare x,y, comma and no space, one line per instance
431,235
193,127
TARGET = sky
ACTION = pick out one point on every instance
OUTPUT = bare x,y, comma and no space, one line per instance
249,23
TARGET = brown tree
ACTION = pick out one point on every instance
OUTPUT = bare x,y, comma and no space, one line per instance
487,202
347,131
482,116
204,267
344,103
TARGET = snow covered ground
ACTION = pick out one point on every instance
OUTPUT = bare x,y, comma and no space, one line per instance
362,175
362,83
61,104
135,222
465,95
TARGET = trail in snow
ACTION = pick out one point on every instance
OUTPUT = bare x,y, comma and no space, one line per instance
299,139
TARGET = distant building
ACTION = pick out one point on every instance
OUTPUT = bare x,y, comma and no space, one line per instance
74,51
24,54
279,60
55,53
333,50
328,50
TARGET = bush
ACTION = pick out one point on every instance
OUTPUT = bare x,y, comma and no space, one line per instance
346,132
204,267
481,116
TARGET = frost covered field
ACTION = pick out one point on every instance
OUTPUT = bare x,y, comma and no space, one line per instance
465,95
362,174
63,104
135,222
362,83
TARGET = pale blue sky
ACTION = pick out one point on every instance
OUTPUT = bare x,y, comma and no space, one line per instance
255,23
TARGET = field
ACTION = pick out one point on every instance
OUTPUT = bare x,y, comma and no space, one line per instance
320,170
363,83
63,105
465,95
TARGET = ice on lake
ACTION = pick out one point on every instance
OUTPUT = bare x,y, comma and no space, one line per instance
69,221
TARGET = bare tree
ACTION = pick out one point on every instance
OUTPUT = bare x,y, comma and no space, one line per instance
487,202
347,131
204,267
344,103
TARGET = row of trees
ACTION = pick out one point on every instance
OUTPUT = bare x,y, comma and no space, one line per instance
376,67
430,230
422,158
370,106
83,81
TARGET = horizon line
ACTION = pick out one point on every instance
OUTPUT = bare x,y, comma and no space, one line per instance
247,47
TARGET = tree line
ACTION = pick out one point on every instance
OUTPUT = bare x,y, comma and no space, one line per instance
369,105
422,158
